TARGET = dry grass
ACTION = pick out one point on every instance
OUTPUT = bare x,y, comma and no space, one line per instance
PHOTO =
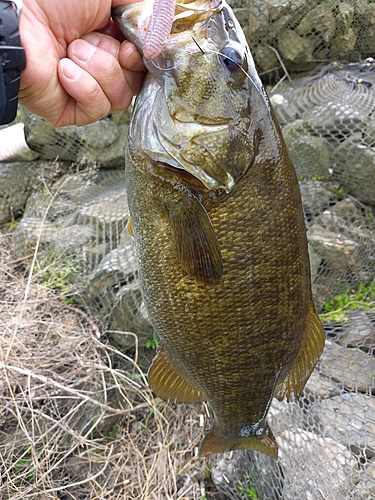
77,420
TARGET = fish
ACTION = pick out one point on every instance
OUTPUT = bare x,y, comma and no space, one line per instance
218,225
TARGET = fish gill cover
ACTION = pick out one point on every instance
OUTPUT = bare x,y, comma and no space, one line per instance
72,212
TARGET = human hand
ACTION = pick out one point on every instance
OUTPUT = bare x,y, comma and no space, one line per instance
75,74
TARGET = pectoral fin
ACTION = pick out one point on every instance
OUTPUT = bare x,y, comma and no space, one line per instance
265,443
129,227
195,239
169,384
311,349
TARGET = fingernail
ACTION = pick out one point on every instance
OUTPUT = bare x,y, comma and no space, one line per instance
69,69
82,50
92,38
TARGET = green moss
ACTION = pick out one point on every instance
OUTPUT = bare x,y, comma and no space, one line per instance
360,298
152,343
312,178
56,270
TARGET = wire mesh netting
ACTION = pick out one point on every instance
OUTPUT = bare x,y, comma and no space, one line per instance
71,205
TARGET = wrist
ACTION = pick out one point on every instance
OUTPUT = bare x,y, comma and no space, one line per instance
12,59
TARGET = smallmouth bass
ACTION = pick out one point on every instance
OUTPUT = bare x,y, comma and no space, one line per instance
217,220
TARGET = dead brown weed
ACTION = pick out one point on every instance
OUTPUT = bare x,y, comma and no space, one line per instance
77,420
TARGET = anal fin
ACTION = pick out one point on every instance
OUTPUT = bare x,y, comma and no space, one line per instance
169,384
265,443
311,349
195,239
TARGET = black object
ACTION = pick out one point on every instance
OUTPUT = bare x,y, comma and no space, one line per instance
12,60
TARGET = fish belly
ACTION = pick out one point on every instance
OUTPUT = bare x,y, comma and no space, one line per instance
236,341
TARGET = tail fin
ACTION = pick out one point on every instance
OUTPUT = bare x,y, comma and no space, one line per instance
265,443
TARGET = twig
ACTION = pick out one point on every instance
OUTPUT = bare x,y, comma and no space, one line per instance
281,62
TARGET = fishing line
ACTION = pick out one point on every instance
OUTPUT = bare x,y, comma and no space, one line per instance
163,69
236,63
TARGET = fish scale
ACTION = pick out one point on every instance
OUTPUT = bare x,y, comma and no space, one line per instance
223,257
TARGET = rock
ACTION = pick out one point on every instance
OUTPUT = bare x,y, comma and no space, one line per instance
18,180
85,216
310,154
319,20
294,48
101,143
335,119
29,232
315,197
315,261
343,45
118,266
348,419
345,16
241,473
283,415
345,219
266,58
336,250
320,386
315,467
114,293
345,210
365,489
352,368
321,292
355,168
357,238
358,330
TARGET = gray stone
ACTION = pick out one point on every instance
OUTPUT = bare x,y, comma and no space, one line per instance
355,168
365,489
352,368
29,232
107,206
101,143
315,196
319,20
283,415
315,467
345,16
346,220
70,239
18,180
358,330
319,386
234,473
118,266
294,48
321,292
343,45
315,261
336,250
310,154
265,58
335,119
348,419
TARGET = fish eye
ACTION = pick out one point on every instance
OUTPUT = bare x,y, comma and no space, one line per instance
231,58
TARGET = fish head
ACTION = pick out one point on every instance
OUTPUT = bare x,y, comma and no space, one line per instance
196,110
